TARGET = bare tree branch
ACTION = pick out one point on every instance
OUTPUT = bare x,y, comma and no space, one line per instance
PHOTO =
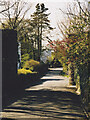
16,13
6,8
61,30
68,13
82,9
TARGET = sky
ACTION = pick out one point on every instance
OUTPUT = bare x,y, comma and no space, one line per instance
56,15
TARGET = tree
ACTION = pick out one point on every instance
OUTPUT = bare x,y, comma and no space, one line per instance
2,4
14,14
40,24
76,42
14,18
73,50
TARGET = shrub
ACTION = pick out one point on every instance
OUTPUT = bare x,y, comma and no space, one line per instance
23,71
41,69
25,58
31,64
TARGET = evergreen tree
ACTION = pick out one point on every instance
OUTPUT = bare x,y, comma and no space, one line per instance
40,24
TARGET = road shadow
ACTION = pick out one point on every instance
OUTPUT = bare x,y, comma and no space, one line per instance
43,80
56,71
45,104
19,90
50,104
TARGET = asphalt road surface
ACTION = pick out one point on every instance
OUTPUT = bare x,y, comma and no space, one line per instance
51,99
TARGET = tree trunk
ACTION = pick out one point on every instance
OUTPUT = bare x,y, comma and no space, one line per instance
38,41
41,40
33,49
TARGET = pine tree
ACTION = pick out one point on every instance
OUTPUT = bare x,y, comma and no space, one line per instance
40,24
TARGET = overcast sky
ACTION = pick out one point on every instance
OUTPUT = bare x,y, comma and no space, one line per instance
53,5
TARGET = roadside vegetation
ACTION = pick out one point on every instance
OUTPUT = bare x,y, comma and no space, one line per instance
73,50
71,53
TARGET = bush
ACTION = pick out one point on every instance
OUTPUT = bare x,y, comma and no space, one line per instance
31,64
23,71
42,68
25,58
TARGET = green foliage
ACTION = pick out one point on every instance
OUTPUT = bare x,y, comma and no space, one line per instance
50,58
31,64
74,49
23,71
29,31
65,67
40,23
25,57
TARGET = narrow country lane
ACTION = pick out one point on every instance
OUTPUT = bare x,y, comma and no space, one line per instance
49,100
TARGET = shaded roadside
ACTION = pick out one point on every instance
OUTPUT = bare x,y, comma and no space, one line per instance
14,88
50,100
